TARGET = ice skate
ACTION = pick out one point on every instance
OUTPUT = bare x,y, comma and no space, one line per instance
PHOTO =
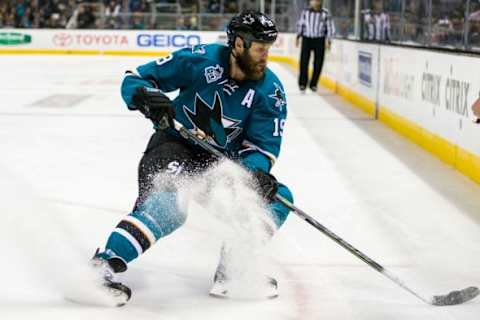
226,287
106,269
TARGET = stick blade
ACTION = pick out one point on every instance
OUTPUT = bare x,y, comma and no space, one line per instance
456,297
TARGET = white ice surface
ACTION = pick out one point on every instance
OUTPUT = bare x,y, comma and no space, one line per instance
68,175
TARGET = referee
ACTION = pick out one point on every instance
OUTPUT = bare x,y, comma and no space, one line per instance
314,25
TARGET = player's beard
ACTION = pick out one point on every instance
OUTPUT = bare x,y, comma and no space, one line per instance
253,70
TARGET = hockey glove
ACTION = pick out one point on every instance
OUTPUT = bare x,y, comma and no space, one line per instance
267,185
154,105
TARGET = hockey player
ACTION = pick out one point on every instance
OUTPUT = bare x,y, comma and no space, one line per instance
227,93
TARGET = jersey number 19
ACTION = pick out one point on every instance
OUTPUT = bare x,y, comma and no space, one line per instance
279,124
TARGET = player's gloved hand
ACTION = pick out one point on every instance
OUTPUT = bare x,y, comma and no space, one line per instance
267,184
154,105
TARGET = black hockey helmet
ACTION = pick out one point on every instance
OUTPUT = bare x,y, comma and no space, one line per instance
251,25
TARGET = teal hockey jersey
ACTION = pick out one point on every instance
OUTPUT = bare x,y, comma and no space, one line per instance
246,119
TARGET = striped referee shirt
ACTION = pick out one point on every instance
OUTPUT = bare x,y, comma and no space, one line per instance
315,24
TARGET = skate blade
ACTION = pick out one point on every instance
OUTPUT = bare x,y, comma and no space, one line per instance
116,302
110,297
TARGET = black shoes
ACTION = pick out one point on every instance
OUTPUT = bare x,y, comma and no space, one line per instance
303,88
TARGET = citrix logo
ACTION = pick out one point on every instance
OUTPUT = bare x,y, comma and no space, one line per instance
167,40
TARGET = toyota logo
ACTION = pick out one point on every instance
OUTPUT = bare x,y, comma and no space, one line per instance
62,39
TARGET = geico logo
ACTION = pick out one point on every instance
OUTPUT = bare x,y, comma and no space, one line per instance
165,40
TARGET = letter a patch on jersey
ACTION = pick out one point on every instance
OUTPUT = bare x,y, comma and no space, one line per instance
248,99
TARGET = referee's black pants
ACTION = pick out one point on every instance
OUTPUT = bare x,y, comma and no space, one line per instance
317,45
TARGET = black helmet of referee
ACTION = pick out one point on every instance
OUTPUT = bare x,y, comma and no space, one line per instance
251,26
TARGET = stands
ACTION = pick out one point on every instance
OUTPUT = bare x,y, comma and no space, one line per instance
206,15
446,24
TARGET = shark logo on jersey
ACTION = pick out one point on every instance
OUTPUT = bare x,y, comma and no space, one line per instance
199,49
213,73
278,96
220,129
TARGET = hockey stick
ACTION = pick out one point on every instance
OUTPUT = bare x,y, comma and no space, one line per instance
452,298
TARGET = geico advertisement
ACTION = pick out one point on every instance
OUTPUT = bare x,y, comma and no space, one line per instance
162,40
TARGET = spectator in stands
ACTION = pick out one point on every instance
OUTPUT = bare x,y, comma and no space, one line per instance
19,8
215,23
246,5
112,14
26,20
137,22
441,29
59,14
458,28
180,23
213,6
86,18
138,6
474,34
36,13
135,6
231,6
377,23
4,12
187,23
190,6
54,21
9,19
2,6
113,8
191,23
368,24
